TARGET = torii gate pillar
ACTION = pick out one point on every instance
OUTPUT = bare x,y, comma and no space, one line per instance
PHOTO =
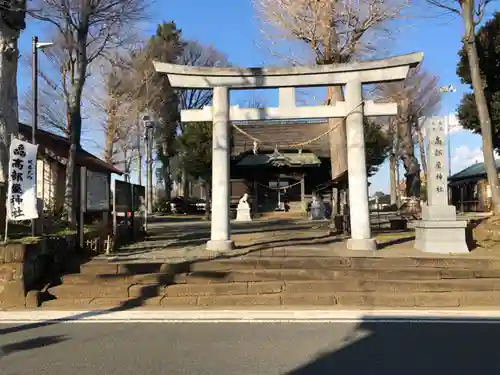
358,178
220,239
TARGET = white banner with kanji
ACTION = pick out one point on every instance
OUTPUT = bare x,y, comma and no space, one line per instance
21,196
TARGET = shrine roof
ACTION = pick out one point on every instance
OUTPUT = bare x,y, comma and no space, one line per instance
282,134
57,147
472,172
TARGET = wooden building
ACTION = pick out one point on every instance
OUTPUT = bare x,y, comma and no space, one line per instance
51,166
278,170
469,189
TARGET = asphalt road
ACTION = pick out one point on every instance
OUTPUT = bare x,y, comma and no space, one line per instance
251,348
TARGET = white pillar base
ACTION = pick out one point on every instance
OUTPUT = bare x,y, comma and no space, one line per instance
220,246
362,244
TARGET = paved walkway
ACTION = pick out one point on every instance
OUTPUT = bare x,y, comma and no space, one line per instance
180,239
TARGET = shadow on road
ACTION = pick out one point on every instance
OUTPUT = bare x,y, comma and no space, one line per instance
34,343
413,349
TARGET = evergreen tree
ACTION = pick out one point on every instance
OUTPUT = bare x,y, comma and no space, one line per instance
488,49
377,146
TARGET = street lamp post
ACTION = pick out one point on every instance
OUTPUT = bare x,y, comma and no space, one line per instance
36,45
448,89
148,125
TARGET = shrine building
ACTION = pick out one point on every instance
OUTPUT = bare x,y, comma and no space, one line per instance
283,165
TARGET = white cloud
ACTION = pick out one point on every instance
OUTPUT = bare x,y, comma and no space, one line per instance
453,124
463,157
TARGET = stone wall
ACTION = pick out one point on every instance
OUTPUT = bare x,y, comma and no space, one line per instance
27,269
31,267
24,267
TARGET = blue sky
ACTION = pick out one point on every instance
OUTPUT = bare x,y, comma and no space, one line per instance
231,27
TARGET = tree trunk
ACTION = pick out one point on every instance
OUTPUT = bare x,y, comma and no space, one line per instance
421,146
9,120
167,181
139,166
74,108
185,183
482,108
108,149
165,171
71,194
126,165
208,200
338,145
406,149
110,132
392,176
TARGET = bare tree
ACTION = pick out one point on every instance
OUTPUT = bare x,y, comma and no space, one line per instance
53,96
418,96
121,125
472,13
196,54
331,32
52,90
12,22
88,30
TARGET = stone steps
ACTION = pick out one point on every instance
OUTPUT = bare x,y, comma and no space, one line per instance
295,262
126,290
467,300
285,289
245,274
283,281
152,278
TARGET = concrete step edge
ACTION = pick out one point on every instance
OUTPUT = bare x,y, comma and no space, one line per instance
366,299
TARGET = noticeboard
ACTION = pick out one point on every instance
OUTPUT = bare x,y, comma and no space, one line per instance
97,187
122,196
128,197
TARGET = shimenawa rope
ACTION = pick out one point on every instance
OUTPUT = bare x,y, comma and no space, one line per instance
295,145
280,188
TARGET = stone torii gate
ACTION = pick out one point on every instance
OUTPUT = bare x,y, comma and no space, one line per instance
352,76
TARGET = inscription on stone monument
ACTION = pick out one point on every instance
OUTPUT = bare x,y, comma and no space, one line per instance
437,193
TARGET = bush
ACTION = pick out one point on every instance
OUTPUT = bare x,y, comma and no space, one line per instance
161,206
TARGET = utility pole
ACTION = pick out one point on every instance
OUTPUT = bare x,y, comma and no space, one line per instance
150,174
443,90
148,126
36,45
34,126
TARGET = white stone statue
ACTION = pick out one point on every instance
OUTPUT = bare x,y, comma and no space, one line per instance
243,210
243,200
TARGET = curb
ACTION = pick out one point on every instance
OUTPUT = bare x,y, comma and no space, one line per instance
251,316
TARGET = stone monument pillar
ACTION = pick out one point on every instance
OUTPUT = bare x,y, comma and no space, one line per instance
439,231
220,239
243,209
361,237
317,208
